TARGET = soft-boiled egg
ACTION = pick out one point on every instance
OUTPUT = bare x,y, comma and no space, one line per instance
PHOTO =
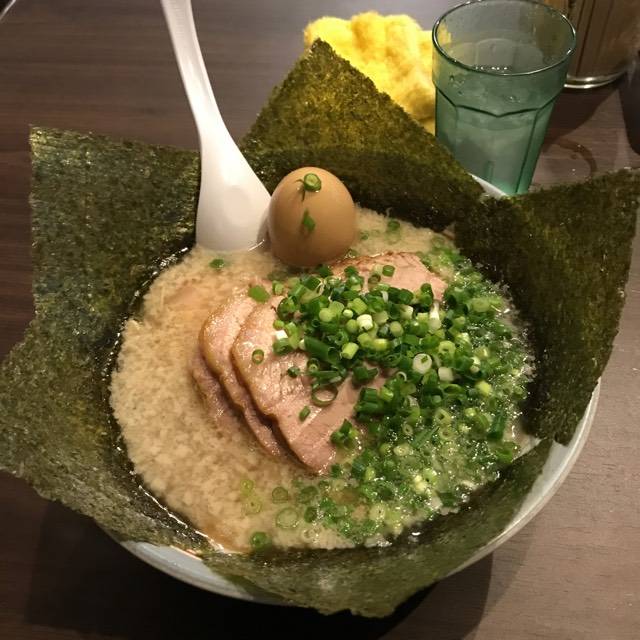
312,218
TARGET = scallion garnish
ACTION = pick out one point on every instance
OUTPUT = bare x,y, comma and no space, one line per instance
310,182
257,356
217,263
304,412
324,396
287,518
259,293
346,436
321,350
259,540
279,494
308,222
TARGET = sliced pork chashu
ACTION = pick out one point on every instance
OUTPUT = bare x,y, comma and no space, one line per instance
216,339
215,399
409,272
281,397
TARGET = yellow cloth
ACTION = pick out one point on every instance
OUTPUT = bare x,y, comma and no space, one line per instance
391,50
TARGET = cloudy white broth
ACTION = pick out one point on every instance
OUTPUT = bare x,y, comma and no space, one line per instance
412,449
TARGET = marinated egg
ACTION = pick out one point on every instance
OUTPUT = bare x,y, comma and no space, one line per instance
312,218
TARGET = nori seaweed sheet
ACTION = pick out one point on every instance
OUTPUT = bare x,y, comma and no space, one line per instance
107,215
565,253
327,112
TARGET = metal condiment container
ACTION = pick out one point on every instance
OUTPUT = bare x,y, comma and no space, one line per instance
608,39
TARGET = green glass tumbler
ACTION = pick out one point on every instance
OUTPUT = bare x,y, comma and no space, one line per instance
498,67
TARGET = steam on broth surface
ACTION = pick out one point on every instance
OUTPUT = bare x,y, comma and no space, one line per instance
216,475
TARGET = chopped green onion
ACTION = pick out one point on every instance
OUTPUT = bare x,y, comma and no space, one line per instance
346,436
358,305
351,326
380,317
393,225
396,329
304,412
349,350
324,396
388,269
217,263
441,417
434,321
277,288
364,340
505,452
365,322
321,350
362,374
252,505
259,540
257,356
482,353
246,487
421,363
484,388
287,518
282,346
293,372
311,182
279,494
307,494
380,344
403,450
310,514
326,315
445,374
386,394
259,293
406,312
311,282
480,305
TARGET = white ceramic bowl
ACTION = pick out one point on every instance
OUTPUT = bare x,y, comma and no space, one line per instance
190,569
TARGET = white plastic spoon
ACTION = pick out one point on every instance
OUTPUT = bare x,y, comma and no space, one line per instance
233,202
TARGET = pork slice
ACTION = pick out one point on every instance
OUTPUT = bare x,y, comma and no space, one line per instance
268,381
213,394
216,339
410,273
310,439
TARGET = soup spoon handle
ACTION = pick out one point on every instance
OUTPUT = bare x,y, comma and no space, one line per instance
233,202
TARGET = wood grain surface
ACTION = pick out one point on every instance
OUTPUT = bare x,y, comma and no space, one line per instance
107,66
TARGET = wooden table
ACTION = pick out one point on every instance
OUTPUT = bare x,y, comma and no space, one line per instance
107,66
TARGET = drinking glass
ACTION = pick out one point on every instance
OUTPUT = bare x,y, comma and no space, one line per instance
498,66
